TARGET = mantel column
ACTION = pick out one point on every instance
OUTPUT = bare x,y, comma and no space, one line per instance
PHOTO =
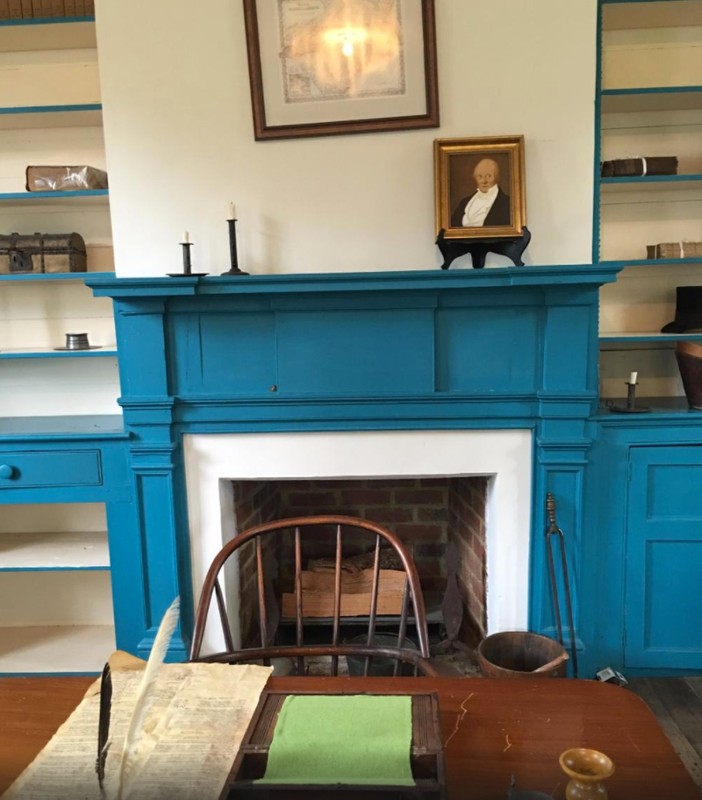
156,466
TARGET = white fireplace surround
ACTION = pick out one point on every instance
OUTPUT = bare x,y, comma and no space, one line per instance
505,456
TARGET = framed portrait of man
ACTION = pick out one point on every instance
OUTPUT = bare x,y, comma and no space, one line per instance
479,187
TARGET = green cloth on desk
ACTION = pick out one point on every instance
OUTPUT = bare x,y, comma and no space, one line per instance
356,739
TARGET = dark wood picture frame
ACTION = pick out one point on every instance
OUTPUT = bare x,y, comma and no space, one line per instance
457,163
266,65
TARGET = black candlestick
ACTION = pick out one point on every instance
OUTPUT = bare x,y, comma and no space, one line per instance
630,407
187,265
233,256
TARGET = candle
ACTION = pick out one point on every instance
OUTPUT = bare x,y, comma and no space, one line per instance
186,237
633,377
232,211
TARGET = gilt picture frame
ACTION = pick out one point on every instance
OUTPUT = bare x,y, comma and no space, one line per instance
479,187
330,67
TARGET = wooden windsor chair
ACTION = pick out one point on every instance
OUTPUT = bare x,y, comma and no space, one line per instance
336,530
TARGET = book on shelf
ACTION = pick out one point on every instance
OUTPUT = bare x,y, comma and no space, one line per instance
15,9
640,167
4,9
674,250
58,8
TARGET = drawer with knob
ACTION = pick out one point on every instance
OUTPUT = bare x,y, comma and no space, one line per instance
37,469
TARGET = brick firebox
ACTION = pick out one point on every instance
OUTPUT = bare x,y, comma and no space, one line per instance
427,514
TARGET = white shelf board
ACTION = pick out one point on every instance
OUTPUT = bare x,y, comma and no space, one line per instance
652,184
635,100
667,14
54,551
49,36
66,649
50,117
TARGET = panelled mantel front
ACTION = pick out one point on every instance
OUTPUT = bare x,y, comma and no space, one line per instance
468,349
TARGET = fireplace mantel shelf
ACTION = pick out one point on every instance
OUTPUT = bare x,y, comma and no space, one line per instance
508,352
334,282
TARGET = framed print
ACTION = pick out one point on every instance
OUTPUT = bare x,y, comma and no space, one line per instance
479,188
327,67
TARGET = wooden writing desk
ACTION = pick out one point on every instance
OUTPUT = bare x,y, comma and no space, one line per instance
492,729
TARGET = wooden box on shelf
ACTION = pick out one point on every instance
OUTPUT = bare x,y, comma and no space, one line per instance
674,250
42,253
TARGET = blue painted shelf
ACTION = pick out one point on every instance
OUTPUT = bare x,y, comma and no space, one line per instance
608,341
53,116
9,23
639,2
50,109
78,427
18,353
21,198
651,98
47,33
653,262
651,182
54,276
664,411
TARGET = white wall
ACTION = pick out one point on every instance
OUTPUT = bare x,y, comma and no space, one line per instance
180,143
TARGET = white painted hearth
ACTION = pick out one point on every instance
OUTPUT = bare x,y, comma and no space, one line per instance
212,461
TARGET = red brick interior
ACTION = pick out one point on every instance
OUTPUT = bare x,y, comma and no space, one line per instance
466,512
255,502
426,513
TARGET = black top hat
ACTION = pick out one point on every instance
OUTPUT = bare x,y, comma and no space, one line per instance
688,310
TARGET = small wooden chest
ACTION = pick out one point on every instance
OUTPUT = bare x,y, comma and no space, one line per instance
42,252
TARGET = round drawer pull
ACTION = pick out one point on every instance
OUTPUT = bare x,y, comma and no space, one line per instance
6,471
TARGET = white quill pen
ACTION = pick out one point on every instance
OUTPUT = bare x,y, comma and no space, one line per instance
129,761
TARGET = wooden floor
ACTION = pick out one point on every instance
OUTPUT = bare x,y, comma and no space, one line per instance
677,703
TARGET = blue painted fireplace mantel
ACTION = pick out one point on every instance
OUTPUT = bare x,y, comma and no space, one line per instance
466,349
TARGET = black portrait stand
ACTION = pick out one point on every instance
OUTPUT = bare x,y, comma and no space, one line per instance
512,247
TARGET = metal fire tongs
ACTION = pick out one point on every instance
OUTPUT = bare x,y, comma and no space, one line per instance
554,531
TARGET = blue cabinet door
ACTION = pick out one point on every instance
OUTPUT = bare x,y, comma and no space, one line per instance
663,591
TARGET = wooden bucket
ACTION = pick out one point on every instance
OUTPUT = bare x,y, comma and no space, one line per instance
518,654
689,357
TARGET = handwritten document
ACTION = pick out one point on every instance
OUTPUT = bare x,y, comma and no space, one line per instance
191,734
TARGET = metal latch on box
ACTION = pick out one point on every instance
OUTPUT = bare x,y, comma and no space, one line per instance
20,261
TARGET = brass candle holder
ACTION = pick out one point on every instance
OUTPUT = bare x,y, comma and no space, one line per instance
587,769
